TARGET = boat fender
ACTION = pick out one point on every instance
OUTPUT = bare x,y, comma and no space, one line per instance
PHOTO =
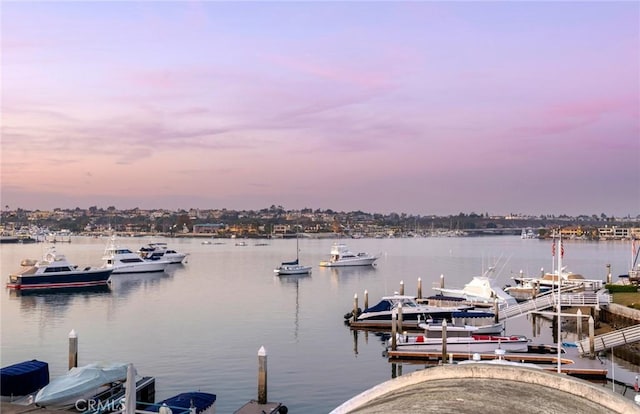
350,314
420,338
283,409
164,409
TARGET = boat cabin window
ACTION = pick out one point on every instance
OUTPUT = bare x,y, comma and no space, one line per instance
57,269
132,260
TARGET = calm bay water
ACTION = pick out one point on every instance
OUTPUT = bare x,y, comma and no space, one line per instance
199,326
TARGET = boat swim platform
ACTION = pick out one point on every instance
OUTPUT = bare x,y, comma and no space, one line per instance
476,388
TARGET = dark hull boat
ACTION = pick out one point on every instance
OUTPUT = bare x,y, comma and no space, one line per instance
55,271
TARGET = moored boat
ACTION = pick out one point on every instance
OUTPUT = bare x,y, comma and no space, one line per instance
123,260
80,383
412,311
463,343
293,267
22,379
186,403
481,291
340,255
55,271
465,329
160,251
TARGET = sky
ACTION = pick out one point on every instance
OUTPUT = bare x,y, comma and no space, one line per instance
419,107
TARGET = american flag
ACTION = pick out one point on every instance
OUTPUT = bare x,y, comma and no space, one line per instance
635,385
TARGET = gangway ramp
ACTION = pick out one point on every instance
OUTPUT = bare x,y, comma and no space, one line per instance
611,339
550,300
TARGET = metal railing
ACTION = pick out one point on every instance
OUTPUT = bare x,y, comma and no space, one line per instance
611,339
548,301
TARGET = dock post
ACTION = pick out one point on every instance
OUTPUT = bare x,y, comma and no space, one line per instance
419,288
355,307
579,323
400,317
130,390
402,287
592,341
262,376
366,300
394,329
444,340
608,273
441,281
496,310
73,349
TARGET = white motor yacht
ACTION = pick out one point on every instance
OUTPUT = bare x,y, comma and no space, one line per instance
342,256
160,251
123,260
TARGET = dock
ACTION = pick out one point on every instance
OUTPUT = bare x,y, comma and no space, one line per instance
254,407
462,356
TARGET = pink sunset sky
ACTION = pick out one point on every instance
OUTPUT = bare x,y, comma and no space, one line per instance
415,107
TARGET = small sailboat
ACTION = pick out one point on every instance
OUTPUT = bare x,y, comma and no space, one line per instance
293,267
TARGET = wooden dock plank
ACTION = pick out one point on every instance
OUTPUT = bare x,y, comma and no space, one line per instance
253,407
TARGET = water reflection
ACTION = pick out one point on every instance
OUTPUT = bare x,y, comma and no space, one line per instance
294,281
56,302
125,284
342,274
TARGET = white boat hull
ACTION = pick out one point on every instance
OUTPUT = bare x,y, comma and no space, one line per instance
344,263
293,270
463,344
148,267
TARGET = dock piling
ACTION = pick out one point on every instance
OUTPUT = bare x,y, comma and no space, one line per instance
441,281
394,329
366,300
262,375
579,324
402,287
419,288
496,311
444,340
355,307
73,349
592,342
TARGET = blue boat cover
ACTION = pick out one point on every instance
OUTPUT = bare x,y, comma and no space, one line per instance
182,402
382,306
23,378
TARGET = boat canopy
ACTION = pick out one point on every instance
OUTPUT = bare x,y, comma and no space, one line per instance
382,306
23,378
292,263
